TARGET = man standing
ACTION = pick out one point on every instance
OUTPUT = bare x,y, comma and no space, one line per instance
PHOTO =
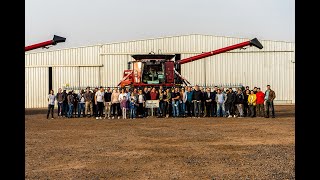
189,105
196,98
220,99
107,103
239,101
214,103
270,95
51,101
209,98
81,103
175,102
99,101
70,98
260,103
229,103
65,106
60,98
88,102
94,105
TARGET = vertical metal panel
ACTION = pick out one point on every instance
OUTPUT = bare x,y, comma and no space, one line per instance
89,76
62,76
36,87
112,71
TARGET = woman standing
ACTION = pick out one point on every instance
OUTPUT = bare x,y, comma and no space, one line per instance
115,103
252,99
51,100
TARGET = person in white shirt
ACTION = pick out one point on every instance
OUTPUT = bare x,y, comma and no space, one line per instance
99,101
51,101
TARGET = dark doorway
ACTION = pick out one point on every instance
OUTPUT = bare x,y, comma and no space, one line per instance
50,78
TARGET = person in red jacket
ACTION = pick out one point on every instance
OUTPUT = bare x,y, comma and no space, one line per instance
260,103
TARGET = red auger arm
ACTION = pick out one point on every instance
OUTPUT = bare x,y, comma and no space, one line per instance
253,42
54,41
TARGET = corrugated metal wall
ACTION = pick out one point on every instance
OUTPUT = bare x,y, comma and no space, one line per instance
36,87
104,64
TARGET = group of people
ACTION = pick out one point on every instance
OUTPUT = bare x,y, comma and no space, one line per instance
173,102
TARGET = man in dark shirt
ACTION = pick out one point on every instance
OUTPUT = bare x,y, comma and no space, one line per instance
60,99
65,106
146,93
175,102
107,101
94,106
214,103
196,98
209,98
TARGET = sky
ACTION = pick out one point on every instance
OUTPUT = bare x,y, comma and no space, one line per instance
91,22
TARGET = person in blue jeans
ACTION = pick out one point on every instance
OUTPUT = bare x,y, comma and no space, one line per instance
183,100
132,106
220,99
81,104
175,102
70,98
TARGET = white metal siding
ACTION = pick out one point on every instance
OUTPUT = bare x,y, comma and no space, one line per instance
36,87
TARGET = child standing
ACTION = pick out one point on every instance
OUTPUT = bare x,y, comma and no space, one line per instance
123,105
132,104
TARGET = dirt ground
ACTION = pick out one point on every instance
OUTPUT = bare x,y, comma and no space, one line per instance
158,148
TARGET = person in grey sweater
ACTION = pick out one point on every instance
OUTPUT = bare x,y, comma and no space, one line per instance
220,99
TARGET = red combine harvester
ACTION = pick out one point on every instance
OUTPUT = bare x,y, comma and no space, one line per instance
160,70
54,41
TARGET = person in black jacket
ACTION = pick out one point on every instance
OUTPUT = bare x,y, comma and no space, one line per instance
246,109
209,98
202,104
214,103
229,104
107,103
65,106
239,101
196,98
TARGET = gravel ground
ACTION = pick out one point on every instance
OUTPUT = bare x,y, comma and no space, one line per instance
157,148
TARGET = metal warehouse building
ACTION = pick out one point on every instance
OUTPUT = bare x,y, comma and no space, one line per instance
103,64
